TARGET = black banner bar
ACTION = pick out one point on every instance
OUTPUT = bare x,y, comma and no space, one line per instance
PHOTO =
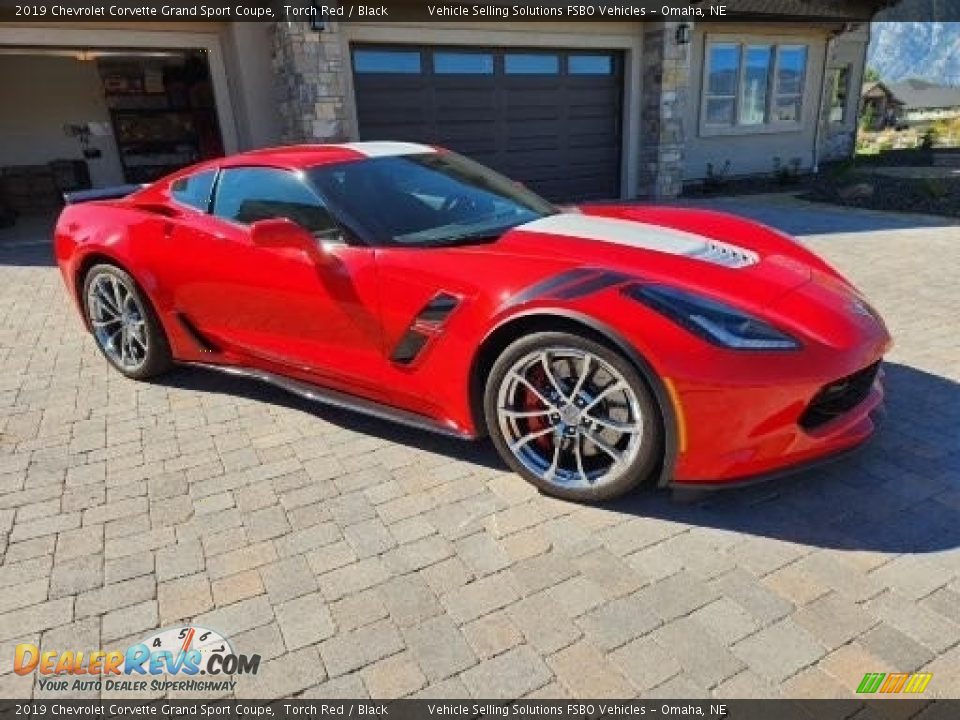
304,709
61,11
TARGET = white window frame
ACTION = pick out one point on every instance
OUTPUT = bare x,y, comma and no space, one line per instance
776,44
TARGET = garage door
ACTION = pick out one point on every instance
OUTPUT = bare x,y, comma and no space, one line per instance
548,118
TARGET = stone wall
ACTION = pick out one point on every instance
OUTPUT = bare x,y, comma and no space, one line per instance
310,83
665,89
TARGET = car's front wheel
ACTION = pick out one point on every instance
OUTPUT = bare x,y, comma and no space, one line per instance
572,416
124,324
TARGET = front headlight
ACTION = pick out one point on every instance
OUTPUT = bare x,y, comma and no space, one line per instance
715,322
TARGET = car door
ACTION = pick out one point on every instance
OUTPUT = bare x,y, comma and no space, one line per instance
277,308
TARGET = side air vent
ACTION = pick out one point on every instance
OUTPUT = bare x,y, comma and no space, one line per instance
409,347
428,322
438,310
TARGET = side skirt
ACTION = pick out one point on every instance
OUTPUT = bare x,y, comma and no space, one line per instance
340,400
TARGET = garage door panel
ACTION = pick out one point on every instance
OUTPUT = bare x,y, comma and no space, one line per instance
558,133
383,109
467,145
581,107
473,97
534,127
534,97
592,154
601,130
602,146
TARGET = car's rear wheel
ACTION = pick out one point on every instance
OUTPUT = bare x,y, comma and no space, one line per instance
572,416
124,324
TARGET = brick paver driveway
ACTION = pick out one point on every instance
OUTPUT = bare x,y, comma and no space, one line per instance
360,558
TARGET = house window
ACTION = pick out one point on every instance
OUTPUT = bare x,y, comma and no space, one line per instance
531,64
402,62
791,74
840,94
462,63
722,79
754,90
753,85
590,64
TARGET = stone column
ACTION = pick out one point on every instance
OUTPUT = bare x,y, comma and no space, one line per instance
309,82
665,94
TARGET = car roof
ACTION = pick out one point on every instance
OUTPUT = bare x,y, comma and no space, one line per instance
303,156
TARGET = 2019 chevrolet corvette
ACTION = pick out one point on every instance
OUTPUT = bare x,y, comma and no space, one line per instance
599,347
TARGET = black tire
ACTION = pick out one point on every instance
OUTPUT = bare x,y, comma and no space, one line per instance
647,457
158,357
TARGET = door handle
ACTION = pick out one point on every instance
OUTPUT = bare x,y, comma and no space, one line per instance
168,228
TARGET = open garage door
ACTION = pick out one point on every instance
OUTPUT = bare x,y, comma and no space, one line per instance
74,119
548,118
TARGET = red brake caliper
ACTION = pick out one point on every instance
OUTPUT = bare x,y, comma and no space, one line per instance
531,402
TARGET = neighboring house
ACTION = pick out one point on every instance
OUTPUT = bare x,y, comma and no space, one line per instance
575,110
911,101
879,108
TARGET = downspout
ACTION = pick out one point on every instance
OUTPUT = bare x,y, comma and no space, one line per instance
827,46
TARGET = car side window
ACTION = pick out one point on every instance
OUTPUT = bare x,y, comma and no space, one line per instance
246,195
194,190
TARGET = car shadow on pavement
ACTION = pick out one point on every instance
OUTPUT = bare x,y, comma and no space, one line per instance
199,379
899,494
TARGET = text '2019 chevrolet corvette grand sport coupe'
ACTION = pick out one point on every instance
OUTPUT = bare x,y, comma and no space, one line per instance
599,347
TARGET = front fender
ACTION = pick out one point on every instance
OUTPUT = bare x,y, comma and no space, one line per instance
563,317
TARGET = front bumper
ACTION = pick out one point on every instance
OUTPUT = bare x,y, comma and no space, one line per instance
746,434
876,417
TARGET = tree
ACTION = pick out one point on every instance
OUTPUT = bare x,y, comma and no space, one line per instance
871,75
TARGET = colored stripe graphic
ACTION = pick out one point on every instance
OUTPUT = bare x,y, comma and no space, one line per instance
894,683
871,682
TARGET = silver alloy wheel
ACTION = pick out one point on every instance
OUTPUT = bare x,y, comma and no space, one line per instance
118,321
570,417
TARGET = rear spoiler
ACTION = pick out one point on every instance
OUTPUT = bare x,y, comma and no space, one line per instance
111,193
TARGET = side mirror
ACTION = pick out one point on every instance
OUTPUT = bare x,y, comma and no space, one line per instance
283,233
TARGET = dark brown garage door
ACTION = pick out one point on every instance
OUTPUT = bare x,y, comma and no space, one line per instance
548,118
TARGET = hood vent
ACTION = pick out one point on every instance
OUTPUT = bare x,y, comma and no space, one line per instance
656,238
726,255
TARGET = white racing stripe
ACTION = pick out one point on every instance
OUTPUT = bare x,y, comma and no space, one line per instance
642,235
387,148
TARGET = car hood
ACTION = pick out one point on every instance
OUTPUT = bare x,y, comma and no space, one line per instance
720,255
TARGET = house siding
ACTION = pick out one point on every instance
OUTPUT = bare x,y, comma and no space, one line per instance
752,152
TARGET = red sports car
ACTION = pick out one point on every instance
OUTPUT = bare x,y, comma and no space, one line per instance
599,347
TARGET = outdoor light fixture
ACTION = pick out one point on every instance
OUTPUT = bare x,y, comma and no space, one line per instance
683,34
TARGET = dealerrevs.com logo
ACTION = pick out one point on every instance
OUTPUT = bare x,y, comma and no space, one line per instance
179,655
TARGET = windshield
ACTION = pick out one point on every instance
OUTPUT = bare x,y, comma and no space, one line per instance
428,199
